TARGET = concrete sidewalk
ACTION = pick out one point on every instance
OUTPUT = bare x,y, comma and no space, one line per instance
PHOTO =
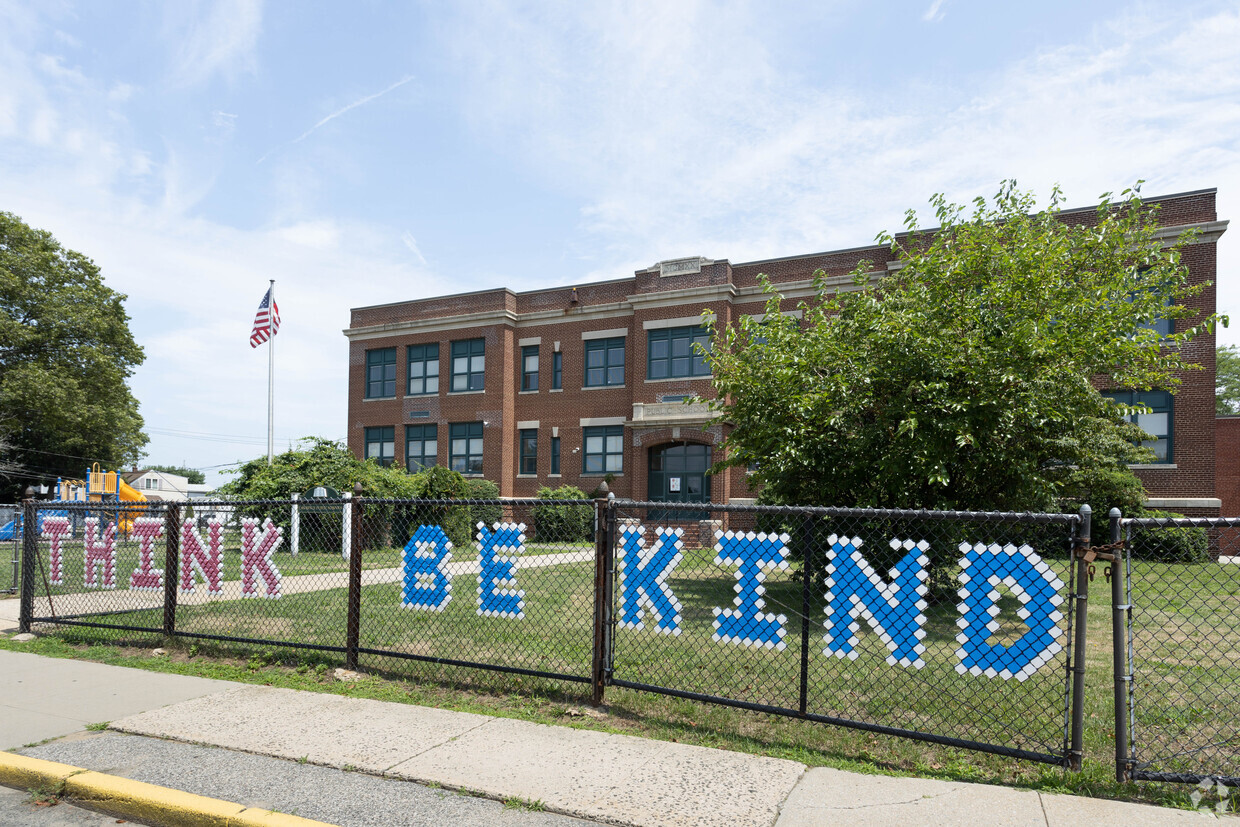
10,608
586,774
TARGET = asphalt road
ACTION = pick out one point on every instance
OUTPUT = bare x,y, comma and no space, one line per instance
349,799
16,810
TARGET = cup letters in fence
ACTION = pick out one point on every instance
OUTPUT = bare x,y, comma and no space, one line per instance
55,529
203,558
894,608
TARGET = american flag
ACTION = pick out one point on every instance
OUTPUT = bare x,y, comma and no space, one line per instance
268,316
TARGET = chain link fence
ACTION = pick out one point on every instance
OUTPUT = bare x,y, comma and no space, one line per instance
502,585
10,548
959,628
945,627
1179,628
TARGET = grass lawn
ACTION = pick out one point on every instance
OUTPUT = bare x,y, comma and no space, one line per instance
1186,642
8,549
1188,684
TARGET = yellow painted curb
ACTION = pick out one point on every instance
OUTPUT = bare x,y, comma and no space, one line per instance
137,799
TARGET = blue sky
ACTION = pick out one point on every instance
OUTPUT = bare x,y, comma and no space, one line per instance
370,152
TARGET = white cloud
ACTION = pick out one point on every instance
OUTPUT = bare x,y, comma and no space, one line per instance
679,133
935,13
317,235
672,125
216,38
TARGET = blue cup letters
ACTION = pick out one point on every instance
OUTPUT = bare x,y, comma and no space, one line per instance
747,624
645,579
895,610
426,584
983,569
498,595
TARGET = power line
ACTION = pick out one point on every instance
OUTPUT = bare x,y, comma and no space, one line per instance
205,436
19,448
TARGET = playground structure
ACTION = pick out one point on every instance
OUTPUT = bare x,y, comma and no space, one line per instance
99,486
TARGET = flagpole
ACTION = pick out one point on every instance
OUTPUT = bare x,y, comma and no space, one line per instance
271,366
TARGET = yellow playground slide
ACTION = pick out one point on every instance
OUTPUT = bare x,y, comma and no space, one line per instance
126,492
102,484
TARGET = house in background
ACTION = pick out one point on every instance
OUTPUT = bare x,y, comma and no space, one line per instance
160,486
577,384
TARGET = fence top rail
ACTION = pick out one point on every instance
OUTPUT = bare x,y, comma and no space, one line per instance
879,513
511,501
149,505
1181,522
155,505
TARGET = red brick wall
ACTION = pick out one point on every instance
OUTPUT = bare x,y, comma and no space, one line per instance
1227,464
562,315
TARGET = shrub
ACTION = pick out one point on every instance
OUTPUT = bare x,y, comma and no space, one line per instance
562,523
1170,544
488,515
440,483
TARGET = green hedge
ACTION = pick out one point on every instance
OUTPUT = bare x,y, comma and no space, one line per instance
1170,544
563,523
488,515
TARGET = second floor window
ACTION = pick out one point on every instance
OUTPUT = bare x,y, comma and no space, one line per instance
423,369
1158,423
529,368
671,353
381,373
604,362
557,370
468,365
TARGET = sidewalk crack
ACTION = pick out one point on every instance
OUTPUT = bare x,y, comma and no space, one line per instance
899,803
437,746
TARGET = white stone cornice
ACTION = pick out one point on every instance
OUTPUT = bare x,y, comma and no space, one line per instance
465,320
708,293
1208,232
613,310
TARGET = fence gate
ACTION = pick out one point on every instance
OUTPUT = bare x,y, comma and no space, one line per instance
1180,628
948,627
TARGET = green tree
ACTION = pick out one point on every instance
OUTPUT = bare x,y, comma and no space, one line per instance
66,355
964,379
1227,381
192,475
316,461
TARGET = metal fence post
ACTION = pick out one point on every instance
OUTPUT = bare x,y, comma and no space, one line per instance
172,566
16,583
30,548
609,589
1119,639
346,525
602,608
353,633
808,570
1081,543
294,543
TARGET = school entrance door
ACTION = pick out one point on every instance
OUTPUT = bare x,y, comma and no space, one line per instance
678,474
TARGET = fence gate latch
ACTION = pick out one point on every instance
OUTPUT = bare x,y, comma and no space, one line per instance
1106,552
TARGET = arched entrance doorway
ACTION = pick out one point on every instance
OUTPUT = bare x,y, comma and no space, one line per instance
678,474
